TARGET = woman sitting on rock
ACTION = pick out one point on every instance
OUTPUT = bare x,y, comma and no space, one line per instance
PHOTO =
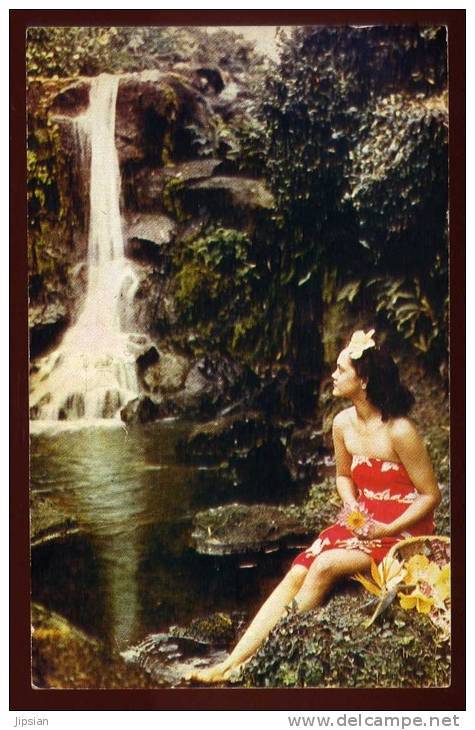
384,478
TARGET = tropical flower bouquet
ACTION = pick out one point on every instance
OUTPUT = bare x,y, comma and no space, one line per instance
419,576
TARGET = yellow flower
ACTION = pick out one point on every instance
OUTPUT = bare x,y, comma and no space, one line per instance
360,341
386,576
420,568
355,520
417,600
416,568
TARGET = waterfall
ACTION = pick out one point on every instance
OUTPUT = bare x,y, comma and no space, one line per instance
92,374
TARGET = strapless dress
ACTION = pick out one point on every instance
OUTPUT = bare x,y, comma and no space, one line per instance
385,489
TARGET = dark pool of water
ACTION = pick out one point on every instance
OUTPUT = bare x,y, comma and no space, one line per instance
134,570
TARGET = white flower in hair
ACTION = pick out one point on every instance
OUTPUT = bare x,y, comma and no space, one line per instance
360,341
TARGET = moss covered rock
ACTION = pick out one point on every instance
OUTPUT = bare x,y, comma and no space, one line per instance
329,647
64,657
241,528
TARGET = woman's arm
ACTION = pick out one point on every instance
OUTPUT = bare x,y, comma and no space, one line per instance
411,451
344,482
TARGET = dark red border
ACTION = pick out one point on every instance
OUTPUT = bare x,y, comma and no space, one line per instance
22,696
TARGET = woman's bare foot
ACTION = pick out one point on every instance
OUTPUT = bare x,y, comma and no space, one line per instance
210,675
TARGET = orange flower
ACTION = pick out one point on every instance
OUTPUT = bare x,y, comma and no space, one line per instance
355,520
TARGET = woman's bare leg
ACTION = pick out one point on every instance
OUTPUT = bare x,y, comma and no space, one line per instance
307,587
325,571
264,621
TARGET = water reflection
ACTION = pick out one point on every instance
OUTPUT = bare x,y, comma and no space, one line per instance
134,571
117,484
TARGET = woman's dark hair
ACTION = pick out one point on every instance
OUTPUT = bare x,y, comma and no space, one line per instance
383,387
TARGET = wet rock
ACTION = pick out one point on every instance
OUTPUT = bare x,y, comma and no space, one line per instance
64,657
240,528
304,453
167,658
221,437
144,183
218,194
157,115
167,374
150,309
217,629
211,383
247,450
49,521
46,323
73,100
140,410
146,235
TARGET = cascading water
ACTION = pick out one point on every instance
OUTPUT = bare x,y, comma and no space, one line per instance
93,372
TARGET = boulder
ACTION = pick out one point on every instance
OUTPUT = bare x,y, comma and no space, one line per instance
167,374
330,647
144,183
140,410
241,528
210,383
216,194
64,657
146,234
168,656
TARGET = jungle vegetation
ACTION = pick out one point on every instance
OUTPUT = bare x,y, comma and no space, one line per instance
349,130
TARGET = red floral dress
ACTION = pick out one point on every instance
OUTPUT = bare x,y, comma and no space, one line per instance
385,489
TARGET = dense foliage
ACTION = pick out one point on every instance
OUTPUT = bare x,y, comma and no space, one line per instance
51,216
356,154
217,286
89,50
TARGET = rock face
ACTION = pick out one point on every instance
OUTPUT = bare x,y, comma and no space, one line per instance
159,116
304,454
176,183
73,100
239,528
139,410
146,235
250,448
221,437
47,323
